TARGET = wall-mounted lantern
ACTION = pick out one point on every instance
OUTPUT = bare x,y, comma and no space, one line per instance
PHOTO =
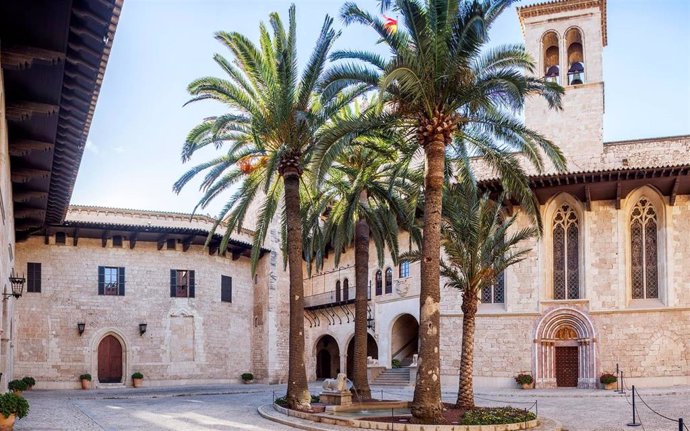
142,328
81,326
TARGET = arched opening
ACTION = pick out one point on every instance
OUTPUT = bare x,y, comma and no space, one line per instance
389,280
346,290
327,358
565,350
566,254
110,360
404,339
551,57
379,283
644,244
576,65
372,351
337,291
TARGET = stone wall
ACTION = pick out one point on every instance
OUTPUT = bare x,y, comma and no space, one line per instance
198,339
7,248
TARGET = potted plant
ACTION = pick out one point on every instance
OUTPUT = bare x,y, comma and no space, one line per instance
30,382
85,381
524,380
247,378
12,406
136,379
17,386
608,380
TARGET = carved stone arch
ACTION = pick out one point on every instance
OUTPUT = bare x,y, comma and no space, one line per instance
549,56
96,339
551,210
654,199
327,354
565,327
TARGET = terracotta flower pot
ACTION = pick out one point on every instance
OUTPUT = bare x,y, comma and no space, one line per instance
247,382
136,383
610,386
526,386
16,392
7,423
85,384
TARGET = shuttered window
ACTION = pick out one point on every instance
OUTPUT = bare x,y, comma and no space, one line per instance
111,281
181,283
33,277
379,283
225,288
389,280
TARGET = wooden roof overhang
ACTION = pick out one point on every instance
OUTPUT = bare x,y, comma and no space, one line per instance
53,54
158,234
613,184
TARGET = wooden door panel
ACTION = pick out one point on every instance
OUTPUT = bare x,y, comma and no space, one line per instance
567,366
109,360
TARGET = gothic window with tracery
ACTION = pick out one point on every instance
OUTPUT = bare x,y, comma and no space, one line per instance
644,244
566,259
494,294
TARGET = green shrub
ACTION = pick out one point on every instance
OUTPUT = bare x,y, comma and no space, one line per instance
86,376
395,363
11,403
608,378
282,401
524,379
17,385
247,376
494,416
137,375
30,381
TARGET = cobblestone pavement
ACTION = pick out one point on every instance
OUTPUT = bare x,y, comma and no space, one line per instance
234,407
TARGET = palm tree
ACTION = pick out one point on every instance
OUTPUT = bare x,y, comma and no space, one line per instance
368,198
457,99
266,141
479,245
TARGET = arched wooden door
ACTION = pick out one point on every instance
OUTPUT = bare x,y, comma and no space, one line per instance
110,360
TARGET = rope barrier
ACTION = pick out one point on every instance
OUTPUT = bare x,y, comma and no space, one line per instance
654,411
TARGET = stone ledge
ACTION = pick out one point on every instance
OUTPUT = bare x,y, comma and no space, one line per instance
265,411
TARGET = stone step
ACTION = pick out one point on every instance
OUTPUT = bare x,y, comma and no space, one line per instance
393,377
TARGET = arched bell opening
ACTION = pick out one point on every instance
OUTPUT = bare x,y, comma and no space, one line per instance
576,65
551,57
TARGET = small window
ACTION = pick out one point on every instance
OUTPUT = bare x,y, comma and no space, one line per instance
389,280
181,283
379,283
60,238
225,288
111,281
494,294
117,241
346,289
404,270
337,291
33,277
171,244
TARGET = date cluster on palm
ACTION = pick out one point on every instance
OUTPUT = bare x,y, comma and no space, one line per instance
440,127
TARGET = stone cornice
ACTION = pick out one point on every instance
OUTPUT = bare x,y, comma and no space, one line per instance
557,6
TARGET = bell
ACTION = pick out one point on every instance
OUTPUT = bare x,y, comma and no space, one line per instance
552,74
576,74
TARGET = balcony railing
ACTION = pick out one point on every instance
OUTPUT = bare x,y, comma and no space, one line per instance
331,298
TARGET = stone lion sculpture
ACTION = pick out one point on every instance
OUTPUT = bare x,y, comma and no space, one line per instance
339,384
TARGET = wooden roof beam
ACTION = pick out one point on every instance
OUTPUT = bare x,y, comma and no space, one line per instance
22,176
618,195
23,197
24,110
160,242
24,213
588,199
75,236
674,191
104,238
23,57
23,147
133,239
187,242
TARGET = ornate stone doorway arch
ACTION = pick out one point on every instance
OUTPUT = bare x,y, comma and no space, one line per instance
561,330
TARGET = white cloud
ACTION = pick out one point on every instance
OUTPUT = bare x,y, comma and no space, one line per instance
90,146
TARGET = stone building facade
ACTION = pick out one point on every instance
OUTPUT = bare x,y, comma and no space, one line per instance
606,285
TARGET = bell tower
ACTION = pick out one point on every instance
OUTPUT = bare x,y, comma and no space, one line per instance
566,38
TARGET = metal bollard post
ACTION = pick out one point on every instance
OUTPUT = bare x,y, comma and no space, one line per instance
622,391
536,407
618,378
634,423
680,424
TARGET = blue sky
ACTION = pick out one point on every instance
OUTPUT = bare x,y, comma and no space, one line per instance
132,154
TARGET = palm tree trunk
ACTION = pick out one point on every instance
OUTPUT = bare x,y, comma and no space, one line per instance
469,313
359,369
427,406
297,390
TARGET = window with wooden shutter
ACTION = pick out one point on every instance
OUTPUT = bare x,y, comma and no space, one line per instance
111,281
181,283
379,283
60,238
225,288
33,277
